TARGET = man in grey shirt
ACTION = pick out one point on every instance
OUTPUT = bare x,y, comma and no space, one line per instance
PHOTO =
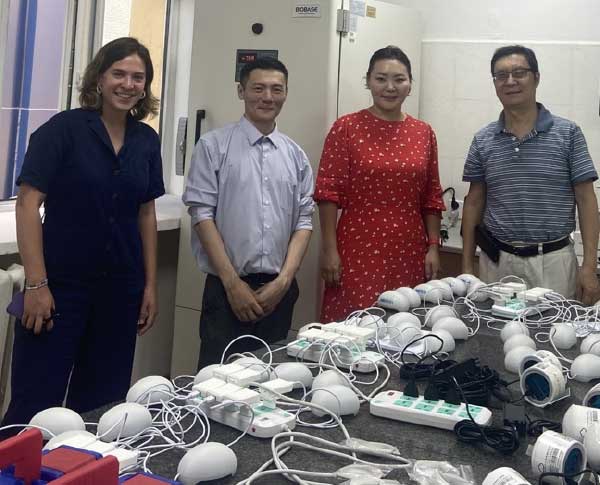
249,192
528,171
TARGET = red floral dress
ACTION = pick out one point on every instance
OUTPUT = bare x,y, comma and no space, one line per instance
384,176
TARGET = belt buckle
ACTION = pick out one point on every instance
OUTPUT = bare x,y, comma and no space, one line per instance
540,249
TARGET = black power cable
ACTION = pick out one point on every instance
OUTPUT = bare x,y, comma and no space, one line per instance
536,427
477,382
453,204
504,440
569,479
411,370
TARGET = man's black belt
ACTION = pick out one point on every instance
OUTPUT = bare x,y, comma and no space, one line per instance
534,249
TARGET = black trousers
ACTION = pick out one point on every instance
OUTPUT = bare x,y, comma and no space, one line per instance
219,325
93,342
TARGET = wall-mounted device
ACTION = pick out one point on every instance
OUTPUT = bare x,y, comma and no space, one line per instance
246,56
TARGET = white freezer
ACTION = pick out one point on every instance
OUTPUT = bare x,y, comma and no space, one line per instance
326,79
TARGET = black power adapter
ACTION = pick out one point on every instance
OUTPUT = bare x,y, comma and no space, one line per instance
514,416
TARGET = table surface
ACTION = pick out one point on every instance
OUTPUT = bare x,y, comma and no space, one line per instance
413,441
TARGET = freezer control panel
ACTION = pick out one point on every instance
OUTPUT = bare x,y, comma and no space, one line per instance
245,56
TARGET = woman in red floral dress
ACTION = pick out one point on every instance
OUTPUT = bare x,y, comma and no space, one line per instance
379,165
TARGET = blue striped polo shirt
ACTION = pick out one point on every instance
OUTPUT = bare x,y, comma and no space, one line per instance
529,182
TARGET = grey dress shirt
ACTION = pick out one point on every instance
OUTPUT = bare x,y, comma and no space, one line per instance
257,188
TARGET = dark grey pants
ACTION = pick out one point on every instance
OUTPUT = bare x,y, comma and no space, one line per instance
219,325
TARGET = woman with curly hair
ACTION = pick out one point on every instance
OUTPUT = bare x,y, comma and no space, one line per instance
90,265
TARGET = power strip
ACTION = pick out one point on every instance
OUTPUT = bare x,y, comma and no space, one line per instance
504,293
268,421
126,457
509,311
513,310
517,301
438,414
340,332
364,361
533,296
239,375
417,348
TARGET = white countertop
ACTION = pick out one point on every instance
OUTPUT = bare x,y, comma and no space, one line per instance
169,209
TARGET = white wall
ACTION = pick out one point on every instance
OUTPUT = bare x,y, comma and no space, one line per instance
460,36
177,82
543,20
117,15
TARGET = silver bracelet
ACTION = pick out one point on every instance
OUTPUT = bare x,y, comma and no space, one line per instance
41,284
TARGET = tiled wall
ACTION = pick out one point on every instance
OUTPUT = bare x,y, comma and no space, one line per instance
117,15
458,96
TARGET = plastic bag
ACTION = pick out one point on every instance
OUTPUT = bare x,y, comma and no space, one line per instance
426,472
358,470
370,481
364,445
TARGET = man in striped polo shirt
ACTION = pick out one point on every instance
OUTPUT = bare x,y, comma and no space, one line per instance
527,172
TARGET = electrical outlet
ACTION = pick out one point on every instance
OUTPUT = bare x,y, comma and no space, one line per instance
460,209
452,220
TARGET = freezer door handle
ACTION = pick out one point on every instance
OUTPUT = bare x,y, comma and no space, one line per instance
180,146
200,115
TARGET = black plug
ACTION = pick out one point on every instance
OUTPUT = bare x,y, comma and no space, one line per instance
514,416
514,442
444,234
502,394
452,396
453,204
432,392
460,370
411,388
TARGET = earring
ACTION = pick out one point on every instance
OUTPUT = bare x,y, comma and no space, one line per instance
98,89
143,95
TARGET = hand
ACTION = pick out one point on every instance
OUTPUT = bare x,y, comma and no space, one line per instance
331,267
243,301
432,263
38,308
269,295
148,310
588,288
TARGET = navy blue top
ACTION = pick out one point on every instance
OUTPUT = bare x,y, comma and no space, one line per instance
93,196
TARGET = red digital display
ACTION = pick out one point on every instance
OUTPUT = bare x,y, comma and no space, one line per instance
247,57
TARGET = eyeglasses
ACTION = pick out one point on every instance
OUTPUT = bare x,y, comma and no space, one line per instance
502,76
